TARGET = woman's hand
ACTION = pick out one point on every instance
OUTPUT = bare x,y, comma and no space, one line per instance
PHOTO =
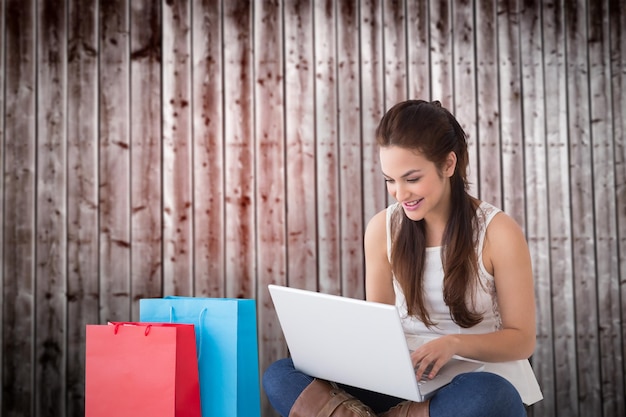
432,356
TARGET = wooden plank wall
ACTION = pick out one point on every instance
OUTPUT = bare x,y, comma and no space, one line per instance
209,148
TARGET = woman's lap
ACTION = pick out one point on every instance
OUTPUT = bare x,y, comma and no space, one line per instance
473,394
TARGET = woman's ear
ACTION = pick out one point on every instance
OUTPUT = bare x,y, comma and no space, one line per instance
450,165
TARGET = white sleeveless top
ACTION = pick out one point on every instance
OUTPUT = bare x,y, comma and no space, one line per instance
519,372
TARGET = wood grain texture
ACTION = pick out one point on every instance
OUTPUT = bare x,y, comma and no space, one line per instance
395,52
2,150
239,181
489,150
20,143
605,216
326,148
208,149
441,59
617,21
300,146
561,383
270,176
178,268
536,172
114,161
350,159
512,149
581,173
395,49
372,67
418,39
82,193
146,270
51,226
465,91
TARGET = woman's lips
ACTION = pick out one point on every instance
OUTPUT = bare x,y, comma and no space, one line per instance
412,205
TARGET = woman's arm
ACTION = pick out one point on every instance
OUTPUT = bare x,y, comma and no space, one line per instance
506,256
378,276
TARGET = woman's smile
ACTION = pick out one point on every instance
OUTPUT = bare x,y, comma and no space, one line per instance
412,205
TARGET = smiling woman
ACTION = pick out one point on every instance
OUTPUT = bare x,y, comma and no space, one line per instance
209,148
457,269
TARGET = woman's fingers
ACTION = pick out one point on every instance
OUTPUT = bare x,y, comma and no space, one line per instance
429,358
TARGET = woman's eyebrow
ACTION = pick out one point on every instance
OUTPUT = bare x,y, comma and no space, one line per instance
406,174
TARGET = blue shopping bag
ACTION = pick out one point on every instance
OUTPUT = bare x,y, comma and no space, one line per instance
226,339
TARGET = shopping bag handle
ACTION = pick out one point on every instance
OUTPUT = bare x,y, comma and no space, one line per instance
198,334
122,323
202,314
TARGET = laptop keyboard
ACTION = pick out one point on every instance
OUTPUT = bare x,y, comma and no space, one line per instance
425,375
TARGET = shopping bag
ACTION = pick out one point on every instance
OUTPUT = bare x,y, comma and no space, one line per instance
226,337
141,369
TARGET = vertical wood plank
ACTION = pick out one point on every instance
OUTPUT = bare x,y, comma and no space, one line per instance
581,186
394,58
617,23
611,373
82,192
51,260
441,62
488,128
326,150
239,150
18,315
560,384
269,147
177,149
373,105
418,38
145,152
300,145
395,52
537,205
270,175
510,110
2,209
19,216
114,163
464,99
350,177
208,151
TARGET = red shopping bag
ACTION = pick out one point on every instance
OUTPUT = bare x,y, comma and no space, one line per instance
141,369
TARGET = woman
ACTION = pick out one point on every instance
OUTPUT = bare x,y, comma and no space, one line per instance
458,270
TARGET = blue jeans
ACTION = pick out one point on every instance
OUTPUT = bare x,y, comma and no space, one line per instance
468,395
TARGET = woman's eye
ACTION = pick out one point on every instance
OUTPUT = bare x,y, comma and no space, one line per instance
388,181
413,180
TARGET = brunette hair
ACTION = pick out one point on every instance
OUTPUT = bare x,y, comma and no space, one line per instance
432,130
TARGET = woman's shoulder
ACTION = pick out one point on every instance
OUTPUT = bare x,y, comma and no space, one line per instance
379,224
383,215
486,210
378,221
499,225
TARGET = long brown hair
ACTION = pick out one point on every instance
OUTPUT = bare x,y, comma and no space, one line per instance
433,131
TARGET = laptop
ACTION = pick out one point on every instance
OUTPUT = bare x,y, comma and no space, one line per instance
354,342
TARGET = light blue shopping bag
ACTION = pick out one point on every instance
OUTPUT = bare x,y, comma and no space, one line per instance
226,339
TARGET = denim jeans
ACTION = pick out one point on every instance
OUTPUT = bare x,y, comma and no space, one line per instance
475,394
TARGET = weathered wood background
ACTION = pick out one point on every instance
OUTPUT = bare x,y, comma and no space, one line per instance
209,148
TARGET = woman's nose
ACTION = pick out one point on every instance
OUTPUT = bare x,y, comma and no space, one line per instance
401,192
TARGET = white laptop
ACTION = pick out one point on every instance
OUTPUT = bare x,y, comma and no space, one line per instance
354,342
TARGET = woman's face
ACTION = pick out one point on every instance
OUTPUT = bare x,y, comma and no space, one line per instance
416,183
